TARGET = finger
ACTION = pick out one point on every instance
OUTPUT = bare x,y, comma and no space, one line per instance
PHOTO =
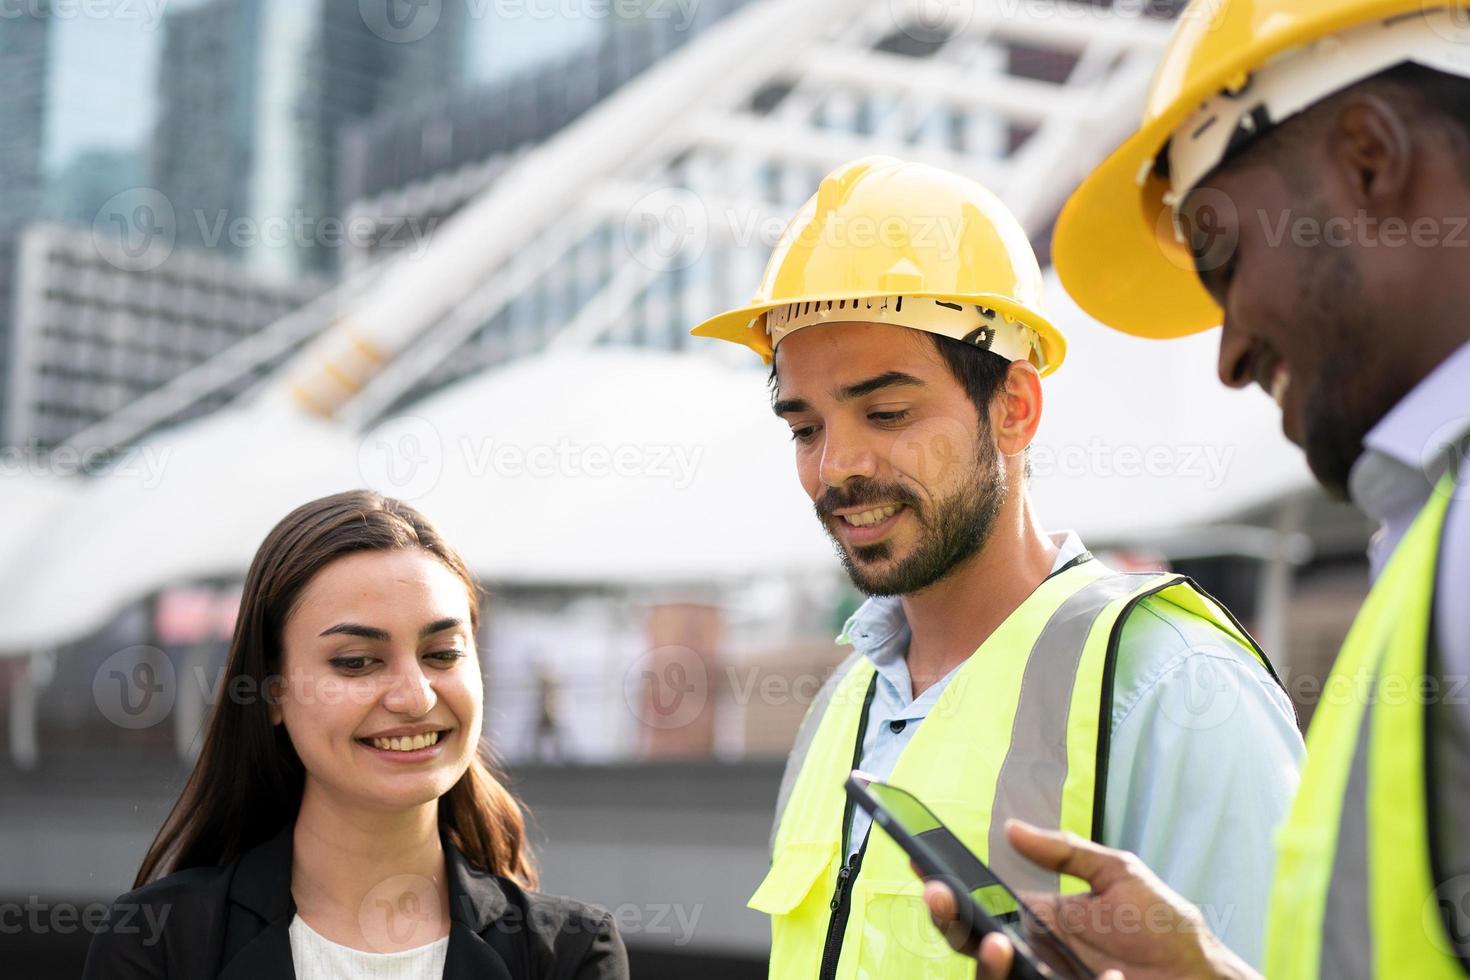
941,902
944,911
1069,854
996,957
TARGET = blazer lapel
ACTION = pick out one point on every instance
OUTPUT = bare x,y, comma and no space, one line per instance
258,940
469,957
257,944
476,903
266,957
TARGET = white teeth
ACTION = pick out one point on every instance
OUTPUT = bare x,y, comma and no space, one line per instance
1280,381
871,516
406,743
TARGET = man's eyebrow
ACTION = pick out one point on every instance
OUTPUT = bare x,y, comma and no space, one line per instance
785,406
888,379
374,633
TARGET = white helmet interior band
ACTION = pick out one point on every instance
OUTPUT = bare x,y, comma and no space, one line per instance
982,326
1294,80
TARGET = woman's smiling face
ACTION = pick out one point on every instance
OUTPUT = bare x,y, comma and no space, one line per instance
378,657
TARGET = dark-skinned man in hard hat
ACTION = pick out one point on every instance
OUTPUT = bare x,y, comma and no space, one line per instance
1303,175
998,671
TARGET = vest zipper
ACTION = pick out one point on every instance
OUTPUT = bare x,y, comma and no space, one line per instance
841,903
841,910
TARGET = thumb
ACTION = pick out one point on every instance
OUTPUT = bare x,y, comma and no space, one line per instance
1068,854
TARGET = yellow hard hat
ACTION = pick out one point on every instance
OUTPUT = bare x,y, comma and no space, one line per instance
881,230
1115,247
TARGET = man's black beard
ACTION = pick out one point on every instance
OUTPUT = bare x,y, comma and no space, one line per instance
958,528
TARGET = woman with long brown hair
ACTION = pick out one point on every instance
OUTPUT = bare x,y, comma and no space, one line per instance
342,819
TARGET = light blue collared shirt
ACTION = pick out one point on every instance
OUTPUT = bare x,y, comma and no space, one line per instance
1404,457
1197,795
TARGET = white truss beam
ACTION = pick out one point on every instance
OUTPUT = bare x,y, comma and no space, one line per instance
694,122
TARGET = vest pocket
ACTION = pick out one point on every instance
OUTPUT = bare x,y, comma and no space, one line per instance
795,871
899,939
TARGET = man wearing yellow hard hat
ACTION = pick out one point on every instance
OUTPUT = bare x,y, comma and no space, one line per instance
997,671
1303,176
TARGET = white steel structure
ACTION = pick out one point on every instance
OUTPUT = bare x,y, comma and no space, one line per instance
660,206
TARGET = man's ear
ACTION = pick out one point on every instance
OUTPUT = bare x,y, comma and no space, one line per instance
1371,149
1015,412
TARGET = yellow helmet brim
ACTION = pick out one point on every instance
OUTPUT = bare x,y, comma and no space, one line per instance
746,325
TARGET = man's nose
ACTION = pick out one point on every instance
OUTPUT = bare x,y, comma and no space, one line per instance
844,456
1237,352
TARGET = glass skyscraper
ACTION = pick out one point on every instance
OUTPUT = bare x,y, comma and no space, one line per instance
252,95
212,124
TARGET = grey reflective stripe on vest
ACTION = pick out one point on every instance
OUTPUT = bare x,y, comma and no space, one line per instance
1035,768
804,737
1347,932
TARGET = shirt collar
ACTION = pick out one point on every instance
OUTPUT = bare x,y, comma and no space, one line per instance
1426,418
1404,455
1408,450
879,629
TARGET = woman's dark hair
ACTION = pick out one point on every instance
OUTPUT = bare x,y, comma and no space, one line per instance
248,781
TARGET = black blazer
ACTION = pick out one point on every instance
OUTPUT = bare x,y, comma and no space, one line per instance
231,923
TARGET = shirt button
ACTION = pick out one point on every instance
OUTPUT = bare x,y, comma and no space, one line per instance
896,726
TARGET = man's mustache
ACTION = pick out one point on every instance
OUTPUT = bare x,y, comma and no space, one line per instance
852,494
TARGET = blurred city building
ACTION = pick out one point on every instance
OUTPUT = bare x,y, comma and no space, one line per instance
95,328
428,158
292,139
252,97
202,126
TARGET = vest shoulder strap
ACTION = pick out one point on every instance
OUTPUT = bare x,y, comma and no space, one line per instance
804,736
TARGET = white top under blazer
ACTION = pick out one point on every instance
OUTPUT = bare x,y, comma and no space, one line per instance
318,958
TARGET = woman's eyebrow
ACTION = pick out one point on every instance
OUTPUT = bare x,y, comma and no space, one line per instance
374,633
439,626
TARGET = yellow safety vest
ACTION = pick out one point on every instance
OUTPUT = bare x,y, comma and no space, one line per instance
1356,894
1020,731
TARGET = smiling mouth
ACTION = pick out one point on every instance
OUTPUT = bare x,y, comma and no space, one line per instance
875,515
405,743
1280,382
